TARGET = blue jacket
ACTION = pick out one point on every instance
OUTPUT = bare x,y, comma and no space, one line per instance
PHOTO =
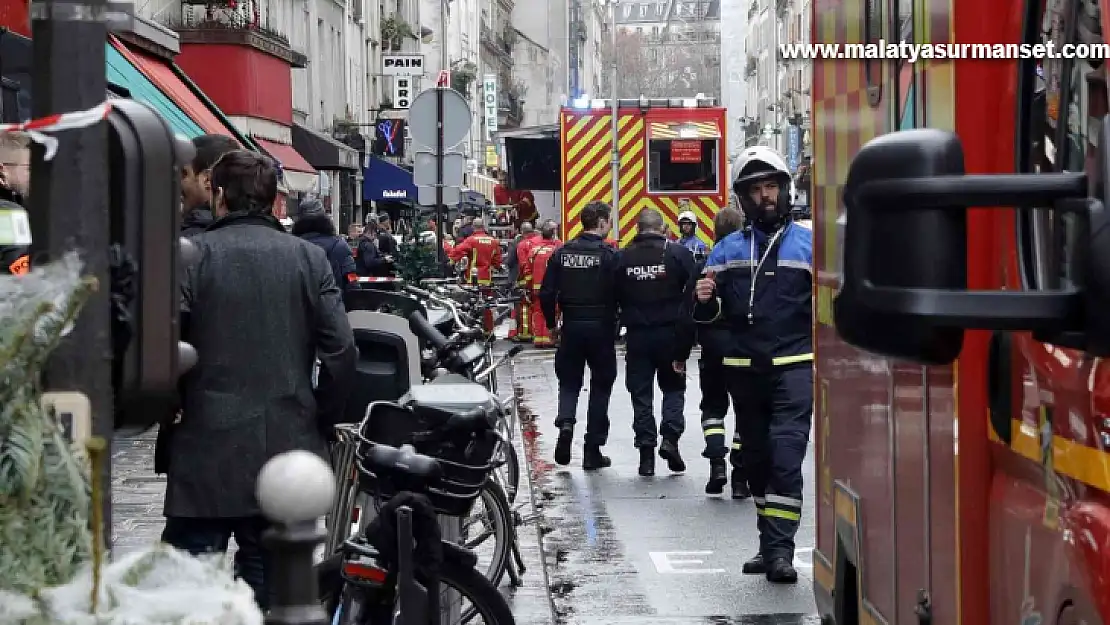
776,329
694,244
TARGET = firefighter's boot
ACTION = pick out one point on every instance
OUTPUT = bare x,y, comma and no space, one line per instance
593,459
755,566
740,488
562,446
647,461
780,571
668,451
718,475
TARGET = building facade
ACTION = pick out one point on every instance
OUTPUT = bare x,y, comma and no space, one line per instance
734,80
668,48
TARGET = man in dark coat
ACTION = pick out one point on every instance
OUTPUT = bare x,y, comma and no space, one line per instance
315,226
196,187
257,331
369,260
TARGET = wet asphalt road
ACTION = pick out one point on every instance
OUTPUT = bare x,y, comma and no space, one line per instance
622,549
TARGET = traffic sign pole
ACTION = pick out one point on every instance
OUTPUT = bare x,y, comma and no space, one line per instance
441,212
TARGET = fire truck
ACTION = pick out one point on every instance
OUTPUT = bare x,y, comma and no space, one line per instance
672,159
962,395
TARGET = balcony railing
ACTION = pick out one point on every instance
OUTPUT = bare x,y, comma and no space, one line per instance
496,42
510,111
217,23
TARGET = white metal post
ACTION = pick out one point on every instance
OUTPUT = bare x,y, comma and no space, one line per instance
616,156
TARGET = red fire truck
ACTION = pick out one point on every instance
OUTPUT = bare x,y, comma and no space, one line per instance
962,398
672,153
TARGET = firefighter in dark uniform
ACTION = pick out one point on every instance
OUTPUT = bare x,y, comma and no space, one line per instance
714,389
654,281
760,279
579,282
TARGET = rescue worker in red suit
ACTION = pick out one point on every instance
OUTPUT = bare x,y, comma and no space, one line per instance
518,256
536,266
483,253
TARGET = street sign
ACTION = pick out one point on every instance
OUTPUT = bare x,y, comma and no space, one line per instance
426,196
402,92
422,118
444,78
403,64
424,169
489,103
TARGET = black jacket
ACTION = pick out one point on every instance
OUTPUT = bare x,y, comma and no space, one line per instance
257,331
196,221
319,229
370,262
669,304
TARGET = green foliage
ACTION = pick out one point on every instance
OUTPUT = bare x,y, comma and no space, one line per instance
44,485
416,259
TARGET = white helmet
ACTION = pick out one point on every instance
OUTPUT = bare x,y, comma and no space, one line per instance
687,216
758,162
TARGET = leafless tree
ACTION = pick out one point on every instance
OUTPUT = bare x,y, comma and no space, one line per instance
682,65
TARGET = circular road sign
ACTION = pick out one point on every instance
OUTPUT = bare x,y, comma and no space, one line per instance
422,118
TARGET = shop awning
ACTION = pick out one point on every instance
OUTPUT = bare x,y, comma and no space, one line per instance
174,84
300,177
384,181
684,130
323,151
122,72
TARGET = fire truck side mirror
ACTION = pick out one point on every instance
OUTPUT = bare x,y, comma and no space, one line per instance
144,168
904,291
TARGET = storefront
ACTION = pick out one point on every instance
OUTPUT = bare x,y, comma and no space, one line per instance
389,187
338,167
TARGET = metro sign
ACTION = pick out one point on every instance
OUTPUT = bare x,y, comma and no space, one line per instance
444,78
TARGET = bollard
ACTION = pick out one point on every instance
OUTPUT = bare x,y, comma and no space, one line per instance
294,490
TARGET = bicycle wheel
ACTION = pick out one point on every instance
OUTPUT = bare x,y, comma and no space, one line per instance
509,472
496,523
459,583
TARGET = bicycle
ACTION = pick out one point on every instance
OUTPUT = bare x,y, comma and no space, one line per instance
393,572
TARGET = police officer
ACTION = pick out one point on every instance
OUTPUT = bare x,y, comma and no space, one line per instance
579,280
714,389
655,278
759,279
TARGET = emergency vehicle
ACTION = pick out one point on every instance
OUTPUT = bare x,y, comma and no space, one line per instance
975,489
672,155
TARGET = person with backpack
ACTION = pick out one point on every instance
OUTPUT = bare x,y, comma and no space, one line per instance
315,226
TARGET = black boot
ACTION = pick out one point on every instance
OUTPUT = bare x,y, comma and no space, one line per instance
669,452
717,477
739,486
780,571
755,566
562,446
592,458
647,461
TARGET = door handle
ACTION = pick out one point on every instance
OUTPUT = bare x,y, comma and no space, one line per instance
1000,391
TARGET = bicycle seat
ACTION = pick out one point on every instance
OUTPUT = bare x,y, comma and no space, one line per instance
387,461
449,396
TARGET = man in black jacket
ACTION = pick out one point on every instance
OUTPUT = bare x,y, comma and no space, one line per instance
257,332
654,282
196,187
369,260
315,226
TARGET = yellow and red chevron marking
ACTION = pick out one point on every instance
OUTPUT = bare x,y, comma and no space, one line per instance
586,137
684,130
587,141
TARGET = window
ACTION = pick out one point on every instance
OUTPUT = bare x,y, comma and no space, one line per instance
1062,103
682,165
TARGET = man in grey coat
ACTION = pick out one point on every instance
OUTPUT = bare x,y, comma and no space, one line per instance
260,306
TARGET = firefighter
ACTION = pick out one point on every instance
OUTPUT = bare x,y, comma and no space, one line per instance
759,279
519,252
484,253
539,256
688,235
714,391
579,282
15,183
654,281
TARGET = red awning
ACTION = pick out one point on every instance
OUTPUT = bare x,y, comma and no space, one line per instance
286,155
163,76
